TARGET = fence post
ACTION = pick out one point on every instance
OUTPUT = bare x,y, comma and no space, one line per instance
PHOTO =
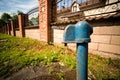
45,18
21,24
5,29
12,28
8,27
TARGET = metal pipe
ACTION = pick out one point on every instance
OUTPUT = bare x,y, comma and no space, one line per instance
82,61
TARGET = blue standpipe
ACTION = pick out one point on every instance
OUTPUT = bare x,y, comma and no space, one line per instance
79,33
82,61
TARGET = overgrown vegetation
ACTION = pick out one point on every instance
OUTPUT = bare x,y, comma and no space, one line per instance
16,53
104,68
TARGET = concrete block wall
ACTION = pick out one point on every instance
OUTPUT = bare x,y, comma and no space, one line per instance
17,33
58,39
58,36
32,33
105,40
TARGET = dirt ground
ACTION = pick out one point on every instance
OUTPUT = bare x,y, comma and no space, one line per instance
50,72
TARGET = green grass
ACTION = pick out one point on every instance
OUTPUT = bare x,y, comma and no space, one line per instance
104,68
16,53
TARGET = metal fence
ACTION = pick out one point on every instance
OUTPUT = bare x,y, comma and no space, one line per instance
32,17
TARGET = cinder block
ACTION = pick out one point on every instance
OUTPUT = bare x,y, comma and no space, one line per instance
58,31
61,31
103,54
56,40
58,35
93,46
72,46
17,33
109,48
114,30
32,33
115,40
101,38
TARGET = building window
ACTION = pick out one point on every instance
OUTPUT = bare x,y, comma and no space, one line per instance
74,8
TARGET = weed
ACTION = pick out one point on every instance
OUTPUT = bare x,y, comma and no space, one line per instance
103,68
61,76
109,61
50,43
68,60
51,70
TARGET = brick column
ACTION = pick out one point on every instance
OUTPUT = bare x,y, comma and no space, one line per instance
5,29
8,28
45,18
12,28
21,25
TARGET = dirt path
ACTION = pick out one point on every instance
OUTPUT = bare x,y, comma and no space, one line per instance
52,72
